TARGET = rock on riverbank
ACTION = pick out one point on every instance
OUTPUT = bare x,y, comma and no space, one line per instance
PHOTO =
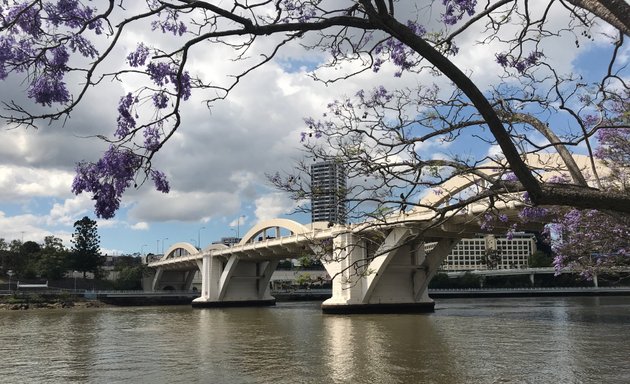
51,305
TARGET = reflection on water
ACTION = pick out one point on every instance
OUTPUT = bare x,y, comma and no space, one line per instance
543,340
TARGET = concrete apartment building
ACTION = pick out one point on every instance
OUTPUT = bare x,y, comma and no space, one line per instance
328,186
469,253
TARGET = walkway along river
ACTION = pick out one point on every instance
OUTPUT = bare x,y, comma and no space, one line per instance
501,340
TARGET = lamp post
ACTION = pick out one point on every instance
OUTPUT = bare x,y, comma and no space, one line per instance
199,237
238,227
157,247
10,273
166,238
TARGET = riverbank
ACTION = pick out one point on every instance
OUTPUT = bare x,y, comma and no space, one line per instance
100,299
529,292
19,302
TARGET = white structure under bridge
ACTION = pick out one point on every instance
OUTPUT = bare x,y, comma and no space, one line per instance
376,266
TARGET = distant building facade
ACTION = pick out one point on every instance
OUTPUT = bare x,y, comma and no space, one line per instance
470,253
229,241
328,186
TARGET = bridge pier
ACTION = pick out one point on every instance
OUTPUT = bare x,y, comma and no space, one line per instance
235,283
393,279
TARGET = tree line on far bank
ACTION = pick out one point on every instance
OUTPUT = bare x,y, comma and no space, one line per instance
51,260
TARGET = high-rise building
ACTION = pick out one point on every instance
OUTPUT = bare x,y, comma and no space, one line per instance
328,187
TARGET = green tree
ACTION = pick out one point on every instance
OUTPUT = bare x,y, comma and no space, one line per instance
26,258
540,259
86,254
130,272
54,259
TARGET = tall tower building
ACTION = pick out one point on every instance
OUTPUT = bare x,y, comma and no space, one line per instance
328,186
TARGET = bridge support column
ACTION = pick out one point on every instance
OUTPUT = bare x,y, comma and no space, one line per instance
236,283
188,281
156,279
394,279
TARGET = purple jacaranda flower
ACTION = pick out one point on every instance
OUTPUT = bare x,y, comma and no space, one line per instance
161,183
160,100
152,137
47,89
456,9
126,121
138,57
107,179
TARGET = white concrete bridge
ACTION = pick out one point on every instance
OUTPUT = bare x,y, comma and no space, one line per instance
378,266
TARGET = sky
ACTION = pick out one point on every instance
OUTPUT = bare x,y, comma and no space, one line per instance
216,162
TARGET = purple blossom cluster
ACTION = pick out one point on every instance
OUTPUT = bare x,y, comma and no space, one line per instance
510,176
24,18
26,45
456,9
49,88
126,120
160,181
398,53
487,222
589,240
170,24
152,137
316,128
107,179
162,73
379,96
298,10
138,57
72,14
521,65
160,100
614,146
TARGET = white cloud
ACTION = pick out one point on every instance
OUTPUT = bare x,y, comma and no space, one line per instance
273,205
183,206
68,212
140,226
22,183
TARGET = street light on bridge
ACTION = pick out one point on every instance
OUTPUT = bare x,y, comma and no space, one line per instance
199,237
238,226
166,238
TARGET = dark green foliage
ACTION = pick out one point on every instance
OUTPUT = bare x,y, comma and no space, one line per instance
540,259
24,258
440,281
130,272
86,255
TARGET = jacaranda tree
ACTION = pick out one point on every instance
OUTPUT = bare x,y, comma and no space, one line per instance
61,48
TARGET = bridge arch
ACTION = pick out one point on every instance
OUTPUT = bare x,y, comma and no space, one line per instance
550,165
276,224
180,249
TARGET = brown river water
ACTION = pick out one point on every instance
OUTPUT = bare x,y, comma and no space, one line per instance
524,340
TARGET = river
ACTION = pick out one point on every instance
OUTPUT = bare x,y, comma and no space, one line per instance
524,340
